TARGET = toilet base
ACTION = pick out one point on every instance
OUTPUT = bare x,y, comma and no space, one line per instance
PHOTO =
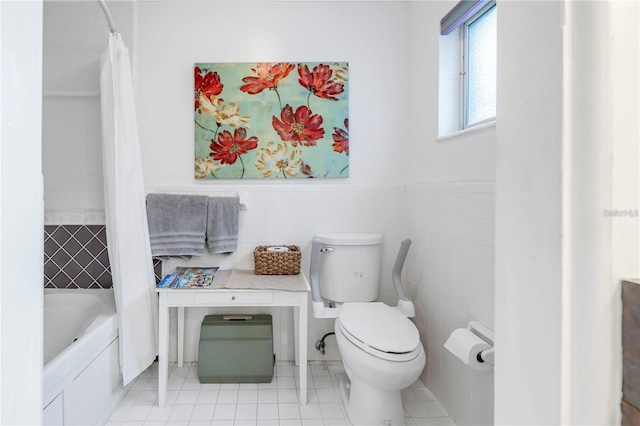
366,406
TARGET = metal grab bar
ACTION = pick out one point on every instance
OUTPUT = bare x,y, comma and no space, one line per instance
397,269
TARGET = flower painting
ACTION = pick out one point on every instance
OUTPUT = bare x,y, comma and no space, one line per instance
271,120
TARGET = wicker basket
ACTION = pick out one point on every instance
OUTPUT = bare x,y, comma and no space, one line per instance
277,263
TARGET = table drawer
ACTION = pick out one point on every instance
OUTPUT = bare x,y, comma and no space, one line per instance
233,298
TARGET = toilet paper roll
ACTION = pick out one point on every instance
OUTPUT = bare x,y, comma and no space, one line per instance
466,346
278,249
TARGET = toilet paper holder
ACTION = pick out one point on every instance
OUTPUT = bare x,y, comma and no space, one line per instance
487,335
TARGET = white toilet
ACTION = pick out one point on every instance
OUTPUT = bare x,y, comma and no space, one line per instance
379,345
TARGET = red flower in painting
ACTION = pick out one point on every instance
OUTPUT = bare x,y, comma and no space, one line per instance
319,81
341,138
268,77
206,85
228,147
301,127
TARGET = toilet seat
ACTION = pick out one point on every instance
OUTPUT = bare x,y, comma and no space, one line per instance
380,330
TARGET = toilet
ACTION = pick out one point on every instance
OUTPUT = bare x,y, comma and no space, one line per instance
379,345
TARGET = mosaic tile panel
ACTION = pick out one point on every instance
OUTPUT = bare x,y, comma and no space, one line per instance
75,256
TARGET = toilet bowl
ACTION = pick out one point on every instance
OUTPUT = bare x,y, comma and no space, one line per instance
380,347
382,355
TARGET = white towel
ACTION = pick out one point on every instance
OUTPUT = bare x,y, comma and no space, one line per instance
222,224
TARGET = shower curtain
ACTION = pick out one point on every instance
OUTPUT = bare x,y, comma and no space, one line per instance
126,219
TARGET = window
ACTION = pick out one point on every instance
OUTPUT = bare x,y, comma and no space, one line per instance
468,66
479,59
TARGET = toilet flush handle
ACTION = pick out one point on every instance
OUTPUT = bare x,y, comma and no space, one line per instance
326,249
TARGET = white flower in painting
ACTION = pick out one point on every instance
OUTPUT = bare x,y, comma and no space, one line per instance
206,166
276,159
228,114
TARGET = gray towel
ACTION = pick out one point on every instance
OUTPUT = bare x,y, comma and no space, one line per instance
177,224
222,224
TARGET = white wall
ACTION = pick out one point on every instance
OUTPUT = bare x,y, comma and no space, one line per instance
529,293
21,211
567,151
372,37
603,176
450,278
75,35
450,190
464,157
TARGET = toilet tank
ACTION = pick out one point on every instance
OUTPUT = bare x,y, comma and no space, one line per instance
349,269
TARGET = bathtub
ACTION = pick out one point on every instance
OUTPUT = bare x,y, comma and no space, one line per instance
82,383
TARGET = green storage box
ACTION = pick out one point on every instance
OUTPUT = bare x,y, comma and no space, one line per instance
236,349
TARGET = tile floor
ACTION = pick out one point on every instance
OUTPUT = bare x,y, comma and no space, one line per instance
251,404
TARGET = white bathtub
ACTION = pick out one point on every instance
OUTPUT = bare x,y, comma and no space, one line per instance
82,383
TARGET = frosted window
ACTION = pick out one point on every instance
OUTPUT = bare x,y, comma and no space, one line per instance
481,68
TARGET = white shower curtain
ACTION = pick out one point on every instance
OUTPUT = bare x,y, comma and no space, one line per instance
126,218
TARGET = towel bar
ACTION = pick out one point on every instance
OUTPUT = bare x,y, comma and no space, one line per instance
242,195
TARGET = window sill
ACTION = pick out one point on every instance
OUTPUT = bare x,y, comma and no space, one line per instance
469,130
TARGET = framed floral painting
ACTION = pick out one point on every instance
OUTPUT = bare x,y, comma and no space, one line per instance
271,120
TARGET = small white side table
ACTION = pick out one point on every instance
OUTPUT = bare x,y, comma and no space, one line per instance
219,295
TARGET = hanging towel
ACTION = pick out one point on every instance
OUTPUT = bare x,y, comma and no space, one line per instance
222,224
177,224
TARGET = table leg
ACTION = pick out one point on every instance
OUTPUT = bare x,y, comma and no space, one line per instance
180,336
296,335
163,349
302,346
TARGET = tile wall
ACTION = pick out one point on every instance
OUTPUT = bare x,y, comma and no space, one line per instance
75,256
450,276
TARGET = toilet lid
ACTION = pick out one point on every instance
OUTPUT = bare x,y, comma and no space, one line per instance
380,327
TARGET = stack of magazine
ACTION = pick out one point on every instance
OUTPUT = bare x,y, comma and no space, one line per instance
187,277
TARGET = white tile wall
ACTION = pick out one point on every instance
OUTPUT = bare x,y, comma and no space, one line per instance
450,274
293,214
75,35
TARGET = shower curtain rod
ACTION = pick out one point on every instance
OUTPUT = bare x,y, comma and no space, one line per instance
107,14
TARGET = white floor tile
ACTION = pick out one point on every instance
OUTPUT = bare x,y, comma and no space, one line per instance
207,397
203,412
267,411
416,409
191,383
181,413
147,398
287,382
267,396
288,411
188,402
175,383
137,413
331,410
248,396
287,395
435,409
159,414
246,412
228,396
328,395
310,411
119,413
187,397
225,412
